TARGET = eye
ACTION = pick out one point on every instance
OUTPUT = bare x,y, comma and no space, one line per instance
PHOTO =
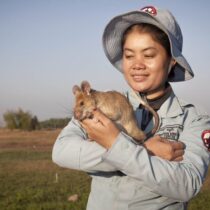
81,103
128,56
149,55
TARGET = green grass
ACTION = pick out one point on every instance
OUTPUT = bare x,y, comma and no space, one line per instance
37,191
24,155
26,188
201,201
30,181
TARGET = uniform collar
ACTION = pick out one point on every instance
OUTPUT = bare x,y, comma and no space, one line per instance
170,108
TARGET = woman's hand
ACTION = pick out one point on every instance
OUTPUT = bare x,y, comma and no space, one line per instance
101,129
169,150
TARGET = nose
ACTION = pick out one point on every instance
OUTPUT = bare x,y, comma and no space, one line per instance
77,114
138,64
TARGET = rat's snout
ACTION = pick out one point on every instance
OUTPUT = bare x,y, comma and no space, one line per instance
81,115
77,114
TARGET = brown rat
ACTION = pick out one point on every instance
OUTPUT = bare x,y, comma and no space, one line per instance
112,104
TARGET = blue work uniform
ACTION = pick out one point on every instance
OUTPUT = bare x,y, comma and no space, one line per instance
126,177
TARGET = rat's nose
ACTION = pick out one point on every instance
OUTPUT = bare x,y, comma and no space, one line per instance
77,114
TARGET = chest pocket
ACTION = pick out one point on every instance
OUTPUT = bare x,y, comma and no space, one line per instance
171,129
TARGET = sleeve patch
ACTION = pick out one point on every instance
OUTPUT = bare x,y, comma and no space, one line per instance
206,138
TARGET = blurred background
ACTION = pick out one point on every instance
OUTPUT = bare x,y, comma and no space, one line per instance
47,46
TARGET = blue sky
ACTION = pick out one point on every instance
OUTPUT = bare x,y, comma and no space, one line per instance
47,46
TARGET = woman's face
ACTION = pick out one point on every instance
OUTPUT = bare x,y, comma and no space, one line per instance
145,63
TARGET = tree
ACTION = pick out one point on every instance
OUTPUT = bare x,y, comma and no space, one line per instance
34,123
20,120
11,120
54,123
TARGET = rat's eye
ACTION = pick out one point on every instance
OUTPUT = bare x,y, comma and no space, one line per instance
81,103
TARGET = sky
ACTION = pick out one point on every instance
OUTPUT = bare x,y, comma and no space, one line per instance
47,46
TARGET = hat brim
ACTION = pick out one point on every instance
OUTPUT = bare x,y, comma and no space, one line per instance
112,43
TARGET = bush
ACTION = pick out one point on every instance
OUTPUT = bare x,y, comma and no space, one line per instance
54,123
25,121
20,120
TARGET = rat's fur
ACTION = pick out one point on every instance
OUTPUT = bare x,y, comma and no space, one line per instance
112,104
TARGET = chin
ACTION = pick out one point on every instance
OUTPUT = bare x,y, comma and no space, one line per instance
138,88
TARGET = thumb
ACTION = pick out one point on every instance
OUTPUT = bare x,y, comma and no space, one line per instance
101,117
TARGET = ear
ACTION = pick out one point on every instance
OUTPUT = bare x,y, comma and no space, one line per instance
86,87
173,62
171,65
76,89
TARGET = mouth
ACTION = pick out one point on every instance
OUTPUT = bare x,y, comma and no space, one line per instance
139,77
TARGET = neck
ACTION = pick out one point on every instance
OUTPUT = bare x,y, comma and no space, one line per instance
157,93
156,99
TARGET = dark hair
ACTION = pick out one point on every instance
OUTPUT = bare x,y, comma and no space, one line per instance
157,34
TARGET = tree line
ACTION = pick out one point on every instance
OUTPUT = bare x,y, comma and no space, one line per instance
24,120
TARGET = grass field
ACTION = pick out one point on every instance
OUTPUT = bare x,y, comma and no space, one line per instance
30,181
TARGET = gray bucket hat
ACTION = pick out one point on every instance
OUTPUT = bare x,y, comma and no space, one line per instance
161,18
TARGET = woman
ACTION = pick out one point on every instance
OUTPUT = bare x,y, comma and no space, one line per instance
146,47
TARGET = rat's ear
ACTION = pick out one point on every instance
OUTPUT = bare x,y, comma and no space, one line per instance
86,87
76,89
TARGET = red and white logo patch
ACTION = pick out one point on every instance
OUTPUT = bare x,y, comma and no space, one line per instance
150,9
206,138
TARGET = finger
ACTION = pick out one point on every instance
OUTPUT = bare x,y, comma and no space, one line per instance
86,122
177,145
95,120
178,153
101,117
90,125
178,159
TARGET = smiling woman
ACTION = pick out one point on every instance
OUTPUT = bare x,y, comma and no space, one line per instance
146,59
168,169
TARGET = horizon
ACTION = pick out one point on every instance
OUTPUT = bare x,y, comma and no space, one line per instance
49,46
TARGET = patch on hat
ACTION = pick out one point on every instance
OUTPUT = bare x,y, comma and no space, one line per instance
149,9
206,138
